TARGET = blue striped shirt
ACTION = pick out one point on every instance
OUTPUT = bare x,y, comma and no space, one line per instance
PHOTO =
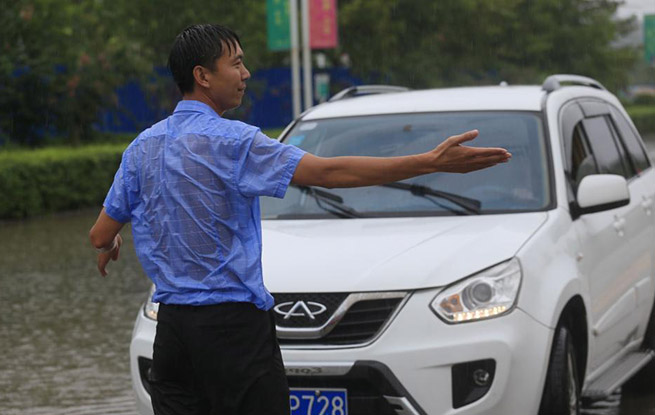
190,186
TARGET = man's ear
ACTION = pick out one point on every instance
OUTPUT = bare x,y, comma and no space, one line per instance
200,75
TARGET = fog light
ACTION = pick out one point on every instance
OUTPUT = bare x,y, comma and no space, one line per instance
471,381
481,377
144,370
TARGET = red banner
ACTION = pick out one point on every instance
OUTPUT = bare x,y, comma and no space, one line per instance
323,24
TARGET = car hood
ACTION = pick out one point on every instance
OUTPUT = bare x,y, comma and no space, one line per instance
349,255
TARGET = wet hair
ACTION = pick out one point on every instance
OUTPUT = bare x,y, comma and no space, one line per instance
198,45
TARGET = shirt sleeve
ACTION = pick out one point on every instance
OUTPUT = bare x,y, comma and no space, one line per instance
265,166
117,203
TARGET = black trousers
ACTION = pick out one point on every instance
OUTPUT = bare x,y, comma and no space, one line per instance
221,360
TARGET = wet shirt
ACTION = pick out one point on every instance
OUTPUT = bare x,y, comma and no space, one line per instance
190,186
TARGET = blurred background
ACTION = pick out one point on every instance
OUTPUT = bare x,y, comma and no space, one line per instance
70,70
80,78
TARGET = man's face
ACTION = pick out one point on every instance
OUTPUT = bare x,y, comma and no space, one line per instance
228,80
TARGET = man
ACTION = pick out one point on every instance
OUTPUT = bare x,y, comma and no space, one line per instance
190,186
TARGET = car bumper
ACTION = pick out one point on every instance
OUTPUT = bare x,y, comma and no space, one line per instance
409,368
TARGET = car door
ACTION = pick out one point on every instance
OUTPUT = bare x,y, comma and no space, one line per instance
642,190
613,244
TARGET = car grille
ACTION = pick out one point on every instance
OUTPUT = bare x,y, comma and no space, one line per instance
331,301
348,319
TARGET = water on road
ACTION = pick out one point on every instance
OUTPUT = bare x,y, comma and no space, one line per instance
64,330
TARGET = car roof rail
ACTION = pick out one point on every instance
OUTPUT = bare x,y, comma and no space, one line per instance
356,90
554,82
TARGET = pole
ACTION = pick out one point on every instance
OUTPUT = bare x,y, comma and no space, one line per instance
306,55
295,59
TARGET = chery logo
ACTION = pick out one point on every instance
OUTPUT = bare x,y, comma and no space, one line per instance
299,309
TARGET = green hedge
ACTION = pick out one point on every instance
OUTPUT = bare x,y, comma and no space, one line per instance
56,179
644,117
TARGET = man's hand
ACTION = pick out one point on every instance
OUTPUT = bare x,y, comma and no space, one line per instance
104,257
104,236
452,157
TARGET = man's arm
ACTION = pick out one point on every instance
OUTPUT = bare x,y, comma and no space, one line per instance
105,238
449,156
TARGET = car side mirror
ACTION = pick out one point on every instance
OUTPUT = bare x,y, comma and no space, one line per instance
599,192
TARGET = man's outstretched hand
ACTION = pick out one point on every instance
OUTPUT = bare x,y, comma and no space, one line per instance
355,171
452,157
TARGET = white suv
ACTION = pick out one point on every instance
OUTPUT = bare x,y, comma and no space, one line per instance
521,289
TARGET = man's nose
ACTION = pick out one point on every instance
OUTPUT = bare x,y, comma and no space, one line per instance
246,74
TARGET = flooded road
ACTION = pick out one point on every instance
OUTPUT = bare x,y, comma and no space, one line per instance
65,331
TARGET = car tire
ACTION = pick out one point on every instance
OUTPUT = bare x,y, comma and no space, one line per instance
649,337
642,382
562,389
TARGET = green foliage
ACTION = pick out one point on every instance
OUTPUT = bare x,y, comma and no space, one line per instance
60,62
60,65
155,25
425,43
56,179
273,132
644,99
644,117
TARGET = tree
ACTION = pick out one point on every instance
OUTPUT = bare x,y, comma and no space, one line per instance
425,43
61,62
60,65
155,24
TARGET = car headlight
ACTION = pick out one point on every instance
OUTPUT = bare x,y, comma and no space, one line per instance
487,294
150,309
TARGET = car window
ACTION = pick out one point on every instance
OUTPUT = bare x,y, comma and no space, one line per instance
583,162
620,146
632,142
605,147
519,186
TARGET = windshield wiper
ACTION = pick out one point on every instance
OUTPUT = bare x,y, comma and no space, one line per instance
333,200
470,205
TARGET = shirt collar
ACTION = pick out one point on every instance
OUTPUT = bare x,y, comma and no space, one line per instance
189,105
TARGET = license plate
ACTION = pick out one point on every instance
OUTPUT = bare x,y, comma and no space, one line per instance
318,401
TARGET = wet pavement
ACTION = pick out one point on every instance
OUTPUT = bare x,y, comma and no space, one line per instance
65,331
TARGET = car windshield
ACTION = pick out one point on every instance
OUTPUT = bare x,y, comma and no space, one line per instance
518,186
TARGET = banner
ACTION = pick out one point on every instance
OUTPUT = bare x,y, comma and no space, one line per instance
277,25
649,38
323,24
